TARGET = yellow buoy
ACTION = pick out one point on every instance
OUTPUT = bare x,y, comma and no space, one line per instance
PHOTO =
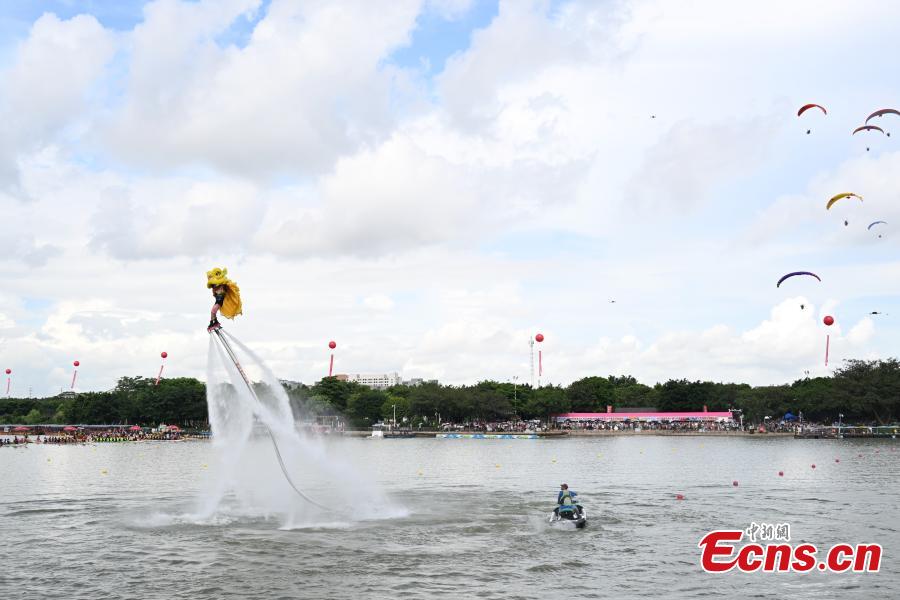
498,466
103,471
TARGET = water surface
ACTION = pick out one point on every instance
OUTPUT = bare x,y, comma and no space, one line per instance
126,520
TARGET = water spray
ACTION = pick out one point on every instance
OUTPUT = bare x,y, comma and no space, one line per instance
223,338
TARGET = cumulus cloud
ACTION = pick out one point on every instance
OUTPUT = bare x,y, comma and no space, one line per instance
692,159
277,139
307,87
378,302
46,88
177,217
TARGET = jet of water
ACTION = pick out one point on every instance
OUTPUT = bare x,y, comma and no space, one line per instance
249,478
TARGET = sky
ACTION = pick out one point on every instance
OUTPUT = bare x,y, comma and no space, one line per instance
430,183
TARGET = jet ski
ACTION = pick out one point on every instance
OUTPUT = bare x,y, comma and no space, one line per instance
572,516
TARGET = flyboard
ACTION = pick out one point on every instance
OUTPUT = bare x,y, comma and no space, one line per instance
223,339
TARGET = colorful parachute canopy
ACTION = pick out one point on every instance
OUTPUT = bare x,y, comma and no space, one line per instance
874,223
867,128
231,307
806,107
881,113
840,196
794,274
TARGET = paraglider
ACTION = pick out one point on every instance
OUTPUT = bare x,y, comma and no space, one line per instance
840,197
874,223
806,107
795,274
869,128
881,113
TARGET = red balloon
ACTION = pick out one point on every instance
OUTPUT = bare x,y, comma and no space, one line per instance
76,363
164,354
8,371
539,337
332,345
828,320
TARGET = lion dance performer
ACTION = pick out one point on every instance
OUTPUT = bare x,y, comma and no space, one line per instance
227,295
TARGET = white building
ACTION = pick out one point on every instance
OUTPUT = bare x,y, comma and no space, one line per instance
377,381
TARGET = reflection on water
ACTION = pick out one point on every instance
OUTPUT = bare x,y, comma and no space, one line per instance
126,520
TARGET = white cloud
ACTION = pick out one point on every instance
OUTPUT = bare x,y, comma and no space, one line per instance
46,88
378,302
308,86
433,226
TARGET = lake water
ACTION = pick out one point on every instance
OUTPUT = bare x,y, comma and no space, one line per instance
465,518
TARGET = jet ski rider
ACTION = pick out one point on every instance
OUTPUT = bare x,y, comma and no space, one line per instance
566,499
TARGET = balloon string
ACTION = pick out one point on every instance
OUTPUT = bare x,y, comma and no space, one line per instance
246,379
827,344
159,376
74,375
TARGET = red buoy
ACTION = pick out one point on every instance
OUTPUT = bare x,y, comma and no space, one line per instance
679,496
734,483
813,466
781,473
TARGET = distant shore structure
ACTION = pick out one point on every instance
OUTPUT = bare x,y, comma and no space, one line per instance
381,381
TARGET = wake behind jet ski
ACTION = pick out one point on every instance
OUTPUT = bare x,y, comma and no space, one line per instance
568,512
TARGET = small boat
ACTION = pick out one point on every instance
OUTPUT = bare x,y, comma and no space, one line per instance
386,431
571,516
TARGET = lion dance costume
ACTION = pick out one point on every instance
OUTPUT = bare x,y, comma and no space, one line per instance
230,301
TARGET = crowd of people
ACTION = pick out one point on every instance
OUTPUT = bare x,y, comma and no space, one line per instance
685,426
92,437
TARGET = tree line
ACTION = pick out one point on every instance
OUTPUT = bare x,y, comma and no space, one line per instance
863,391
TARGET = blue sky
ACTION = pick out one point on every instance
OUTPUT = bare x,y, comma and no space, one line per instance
432,182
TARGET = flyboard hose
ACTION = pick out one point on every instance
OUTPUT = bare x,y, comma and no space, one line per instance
246,379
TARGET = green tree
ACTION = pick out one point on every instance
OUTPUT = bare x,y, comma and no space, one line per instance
364,406
591,394
545,402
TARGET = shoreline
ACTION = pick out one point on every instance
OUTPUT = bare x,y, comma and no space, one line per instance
582,433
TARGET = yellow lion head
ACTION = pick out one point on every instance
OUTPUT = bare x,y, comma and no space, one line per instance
216,277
